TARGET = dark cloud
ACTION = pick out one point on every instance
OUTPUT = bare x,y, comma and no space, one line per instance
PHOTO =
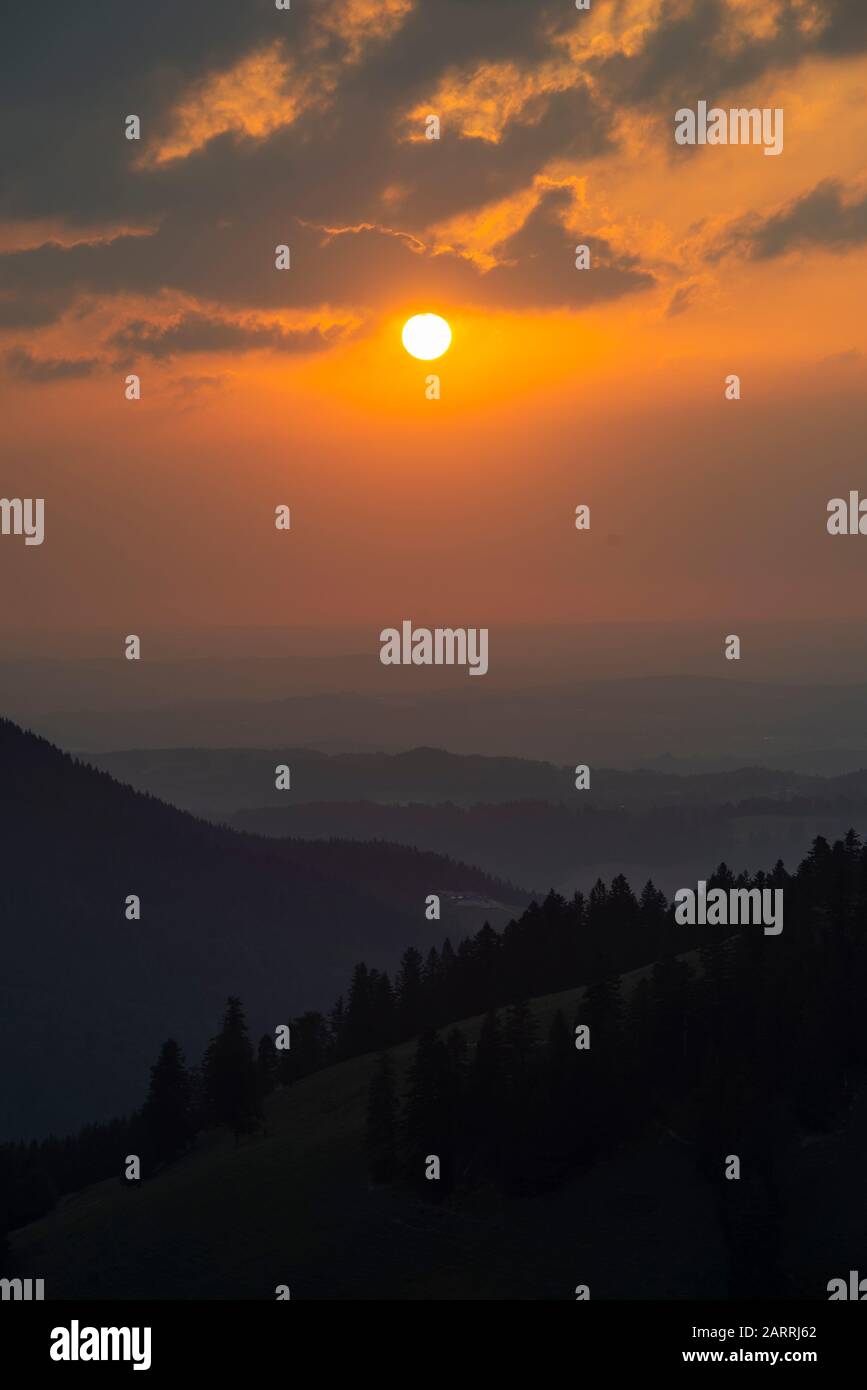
538,263
32,308
364,268
681,300
197,332
824,217
22,364
71,74
690,54
70,79
455,175
845,30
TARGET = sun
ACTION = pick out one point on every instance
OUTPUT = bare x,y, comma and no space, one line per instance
426,336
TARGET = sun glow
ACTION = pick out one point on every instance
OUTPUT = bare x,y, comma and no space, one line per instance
426,336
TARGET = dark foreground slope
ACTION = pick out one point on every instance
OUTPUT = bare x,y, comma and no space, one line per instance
234,1220
87,996
295,1207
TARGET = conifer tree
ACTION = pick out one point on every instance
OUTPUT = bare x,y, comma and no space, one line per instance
230,1074
382,1011
561,1093
559,1046
266,1065
456,1046
410,994
167,1113
312,1046
519,1036
602,1009
426,1115
382,1121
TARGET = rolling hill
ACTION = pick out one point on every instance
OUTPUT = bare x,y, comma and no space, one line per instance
233,1220
87,995
295,1207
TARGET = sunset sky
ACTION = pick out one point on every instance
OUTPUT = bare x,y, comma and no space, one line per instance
260,387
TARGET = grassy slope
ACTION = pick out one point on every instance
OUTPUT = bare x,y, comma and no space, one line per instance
295,1207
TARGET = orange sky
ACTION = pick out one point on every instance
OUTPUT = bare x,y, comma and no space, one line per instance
263,387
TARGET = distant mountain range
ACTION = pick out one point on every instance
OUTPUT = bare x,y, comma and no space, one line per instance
513,817
87,996
703,722
215,781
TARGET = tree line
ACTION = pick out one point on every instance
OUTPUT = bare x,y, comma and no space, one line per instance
657,1057
744,1053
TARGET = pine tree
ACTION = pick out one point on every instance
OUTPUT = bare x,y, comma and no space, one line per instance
426,1119
445,1002
382,1121
266,1065
456,1046
489,1064
410,994
167,1113
313,1046
602,1009
488,1088
520,1036
230,1074
560,1118
673,1015
336,1027
382,1011
357,1032
559,1046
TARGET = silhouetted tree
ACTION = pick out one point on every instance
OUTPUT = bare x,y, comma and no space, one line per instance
313,1046
428,1113
520,1035
167,1112
230,1074
409,990
382,1122
267,1068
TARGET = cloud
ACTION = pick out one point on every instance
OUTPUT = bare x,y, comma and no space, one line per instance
32,308
681,300
360,24
537,262
339,76
254,98
653,52
826,217
268,88
22,364
845,28
262,126
354,269
196,332
479,103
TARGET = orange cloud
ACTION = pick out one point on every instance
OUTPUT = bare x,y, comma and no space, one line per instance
476,234
267,90
253,98
752,20
480,104
33,233
360,23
